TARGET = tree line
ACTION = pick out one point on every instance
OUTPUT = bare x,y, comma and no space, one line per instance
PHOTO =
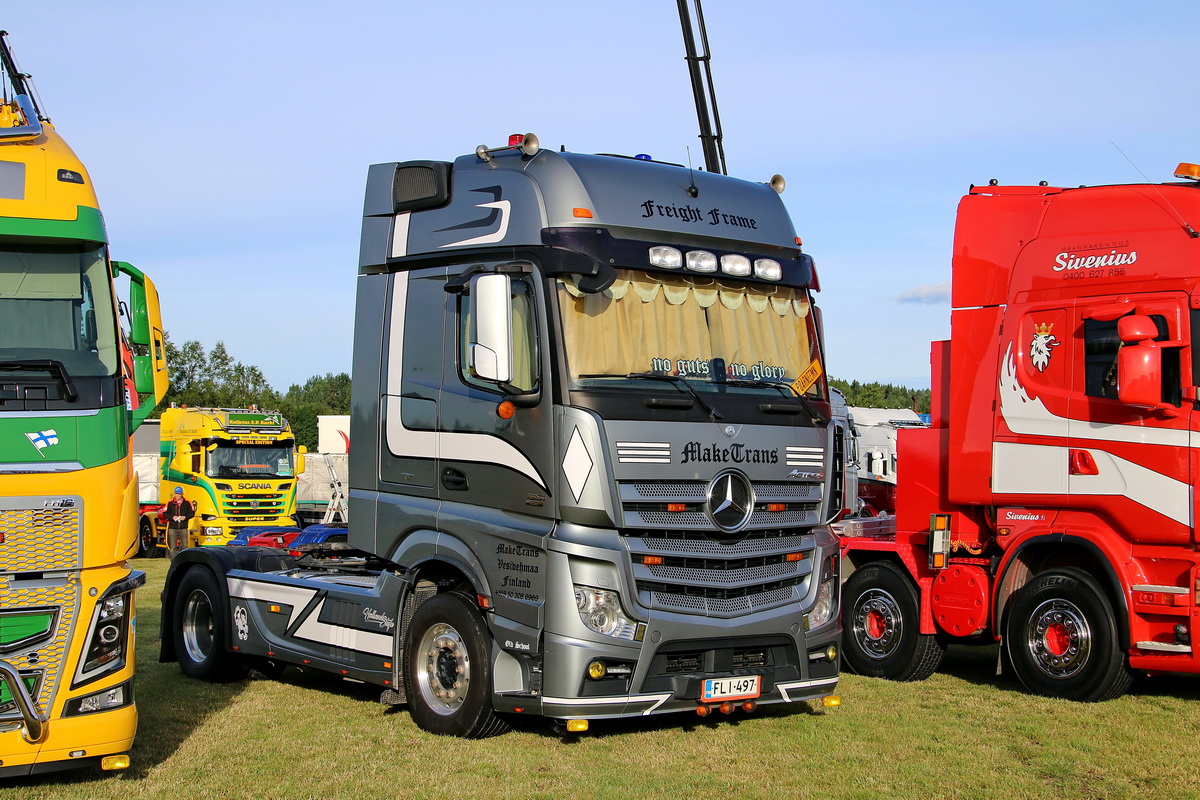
883,395
215,379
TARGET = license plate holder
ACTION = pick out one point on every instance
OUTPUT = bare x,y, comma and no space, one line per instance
741,687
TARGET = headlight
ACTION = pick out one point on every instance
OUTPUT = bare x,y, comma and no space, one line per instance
601,612
108,638
826,604
114,697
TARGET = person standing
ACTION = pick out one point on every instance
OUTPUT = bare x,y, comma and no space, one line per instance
178,513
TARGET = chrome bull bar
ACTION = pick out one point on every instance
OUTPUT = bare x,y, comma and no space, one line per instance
36,724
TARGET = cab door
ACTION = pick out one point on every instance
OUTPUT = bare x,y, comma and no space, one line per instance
1036,383
1131,463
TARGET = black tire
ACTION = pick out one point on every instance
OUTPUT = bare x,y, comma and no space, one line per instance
201,630
1061,639
447,674
881,624
147,548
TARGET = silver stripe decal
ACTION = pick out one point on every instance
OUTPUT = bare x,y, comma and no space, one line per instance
311,628
475,447
407,443
784,688
657,699
400,235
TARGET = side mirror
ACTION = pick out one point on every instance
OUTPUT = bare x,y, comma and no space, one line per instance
146,331
1139,363
491,328
301,451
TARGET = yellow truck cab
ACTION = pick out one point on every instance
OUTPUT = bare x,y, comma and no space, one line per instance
237,466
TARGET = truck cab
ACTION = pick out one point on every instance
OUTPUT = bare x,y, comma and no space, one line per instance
591,439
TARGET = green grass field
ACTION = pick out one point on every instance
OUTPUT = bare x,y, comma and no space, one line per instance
962,733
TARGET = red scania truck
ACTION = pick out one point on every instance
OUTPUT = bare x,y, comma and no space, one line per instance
1050,506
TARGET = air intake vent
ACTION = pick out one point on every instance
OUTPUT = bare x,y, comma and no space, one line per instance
421,184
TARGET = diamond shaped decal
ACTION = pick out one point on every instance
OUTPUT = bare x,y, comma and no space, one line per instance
577,464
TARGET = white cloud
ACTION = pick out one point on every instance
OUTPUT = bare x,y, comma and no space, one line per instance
927,294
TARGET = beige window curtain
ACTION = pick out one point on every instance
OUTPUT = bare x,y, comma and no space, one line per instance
643,320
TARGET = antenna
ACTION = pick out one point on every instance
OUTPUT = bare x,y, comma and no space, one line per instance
1192,232
702,86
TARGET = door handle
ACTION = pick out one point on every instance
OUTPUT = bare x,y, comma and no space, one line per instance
454,480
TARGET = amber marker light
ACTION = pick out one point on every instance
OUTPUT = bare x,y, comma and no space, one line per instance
794,557
1188,171
506,410
776,507
653,561
676,507
582,213
275,609
483,601
115,762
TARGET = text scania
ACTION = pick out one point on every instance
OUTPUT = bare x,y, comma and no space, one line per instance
1071,261
694,452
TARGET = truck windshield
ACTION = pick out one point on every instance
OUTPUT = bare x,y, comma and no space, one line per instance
704,330
56,303
237,461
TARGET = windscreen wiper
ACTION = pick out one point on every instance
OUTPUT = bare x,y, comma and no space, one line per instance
786,391
665,378
44,365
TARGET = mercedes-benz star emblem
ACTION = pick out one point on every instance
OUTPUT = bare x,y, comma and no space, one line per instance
730,501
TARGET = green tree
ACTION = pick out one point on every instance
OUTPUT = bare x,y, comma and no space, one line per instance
214,378
883,395
319,395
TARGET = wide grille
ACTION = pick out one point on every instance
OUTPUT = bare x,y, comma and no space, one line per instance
697,568
43,538
254,505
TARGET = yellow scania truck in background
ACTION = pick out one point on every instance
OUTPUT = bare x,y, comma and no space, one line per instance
237,466
72,390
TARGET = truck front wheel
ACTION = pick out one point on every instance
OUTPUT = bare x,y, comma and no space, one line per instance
1061,639
881,621
448,672
147,548
201,630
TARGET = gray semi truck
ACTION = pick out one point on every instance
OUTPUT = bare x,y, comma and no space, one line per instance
592,468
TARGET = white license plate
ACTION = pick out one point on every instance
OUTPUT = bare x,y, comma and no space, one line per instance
742,688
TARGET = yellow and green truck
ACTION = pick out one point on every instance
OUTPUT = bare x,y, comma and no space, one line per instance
237,466
73,387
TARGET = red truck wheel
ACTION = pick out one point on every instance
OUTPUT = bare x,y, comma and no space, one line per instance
448,674
147,548
880,619
1061,639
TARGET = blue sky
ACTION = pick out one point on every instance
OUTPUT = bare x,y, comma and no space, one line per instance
229,142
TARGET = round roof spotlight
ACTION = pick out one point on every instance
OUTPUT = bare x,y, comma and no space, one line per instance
778,184
530,145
